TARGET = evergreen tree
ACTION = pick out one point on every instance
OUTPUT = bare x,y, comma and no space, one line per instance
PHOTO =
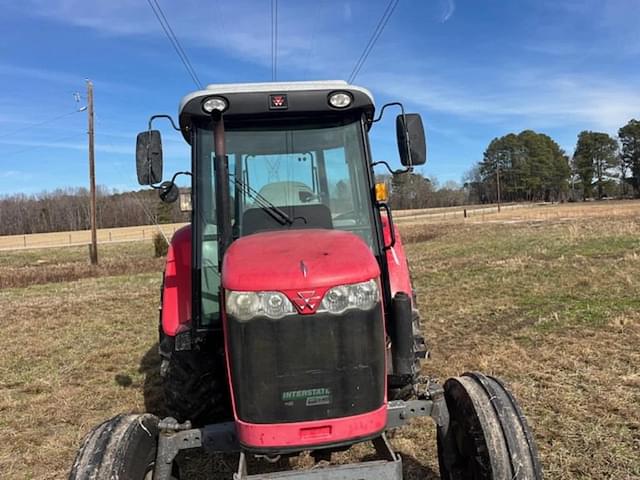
531,165
629,136
595,155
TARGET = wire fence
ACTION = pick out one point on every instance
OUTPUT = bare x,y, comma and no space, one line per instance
83,237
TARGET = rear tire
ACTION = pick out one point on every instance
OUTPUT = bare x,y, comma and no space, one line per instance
488,437
123,447
194,382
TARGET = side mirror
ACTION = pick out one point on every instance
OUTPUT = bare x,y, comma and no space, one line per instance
169,192
149,157
412,144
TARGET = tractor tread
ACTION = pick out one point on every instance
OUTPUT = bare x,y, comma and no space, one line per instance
122,447
194,384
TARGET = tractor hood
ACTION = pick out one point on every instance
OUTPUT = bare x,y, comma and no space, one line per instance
295,260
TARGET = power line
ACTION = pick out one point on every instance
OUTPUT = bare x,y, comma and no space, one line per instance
164,23
386,15
177,42
39,124
274,40
312,42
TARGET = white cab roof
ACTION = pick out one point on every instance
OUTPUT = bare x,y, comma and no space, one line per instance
276,87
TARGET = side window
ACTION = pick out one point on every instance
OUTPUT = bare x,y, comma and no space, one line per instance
210,277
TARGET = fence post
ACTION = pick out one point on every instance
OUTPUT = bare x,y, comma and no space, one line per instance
69,239
24,240
109,235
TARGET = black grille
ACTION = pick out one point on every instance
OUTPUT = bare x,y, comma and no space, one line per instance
307,367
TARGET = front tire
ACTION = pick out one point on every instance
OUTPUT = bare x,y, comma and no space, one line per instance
488,437
123,447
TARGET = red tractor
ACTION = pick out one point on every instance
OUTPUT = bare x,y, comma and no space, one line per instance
288,320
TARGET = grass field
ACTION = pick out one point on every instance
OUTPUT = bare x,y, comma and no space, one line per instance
550,303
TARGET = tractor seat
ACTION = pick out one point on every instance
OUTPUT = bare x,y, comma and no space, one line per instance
289,193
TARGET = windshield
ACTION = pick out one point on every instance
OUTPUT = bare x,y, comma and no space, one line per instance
285,178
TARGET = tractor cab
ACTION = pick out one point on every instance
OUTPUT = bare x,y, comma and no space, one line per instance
289,156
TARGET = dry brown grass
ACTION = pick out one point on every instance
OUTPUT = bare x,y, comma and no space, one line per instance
551,307
521,212
35,267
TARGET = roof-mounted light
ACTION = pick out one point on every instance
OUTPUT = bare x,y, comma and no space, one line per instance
214,103
340,99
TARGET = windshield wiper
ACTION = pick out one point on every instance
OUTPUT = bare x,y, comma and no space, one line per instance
276,213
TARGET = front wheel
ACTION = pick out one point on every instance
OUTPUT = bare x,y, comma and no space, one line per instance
487,437
124,447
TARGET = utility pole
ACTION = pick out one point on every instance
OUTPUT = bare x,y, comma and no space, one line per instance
93,248
498,183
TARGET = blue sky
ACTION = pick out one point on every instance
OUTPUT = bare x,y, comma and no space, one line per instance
474,69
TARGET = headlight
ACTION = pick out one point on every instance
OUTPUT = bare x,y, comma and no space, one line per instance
362,296
246,305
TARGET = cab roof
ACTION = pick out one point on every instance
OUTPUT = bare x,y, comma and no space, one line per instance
280,87
255,102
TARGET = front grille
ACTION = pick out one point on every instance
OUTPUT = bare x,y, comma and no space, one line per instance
307,367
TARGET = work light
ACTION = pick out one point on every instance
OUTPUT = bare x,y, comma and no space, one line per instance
340,99
215,103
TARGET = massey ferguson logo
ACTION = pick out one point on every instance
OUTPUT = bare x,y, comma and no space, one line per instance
278,102
306,301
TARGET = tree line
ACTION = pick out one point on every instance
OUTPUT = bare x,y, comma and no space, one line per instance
68,209
531,166
528,166
414,190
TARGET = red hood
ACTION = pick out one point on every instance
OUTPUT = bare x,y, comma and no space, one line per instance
297,260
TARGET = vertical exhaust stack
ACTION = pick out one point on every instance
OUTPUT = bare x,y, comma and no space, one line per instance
223,212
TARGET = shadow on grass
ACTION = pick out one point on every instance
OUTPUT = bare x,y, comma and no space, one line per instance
412,469
152,388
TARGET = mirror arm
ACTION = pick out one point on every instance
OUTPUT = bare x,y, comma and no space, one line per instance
151,119
168,117
404,122
173,179
391,170
392,104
